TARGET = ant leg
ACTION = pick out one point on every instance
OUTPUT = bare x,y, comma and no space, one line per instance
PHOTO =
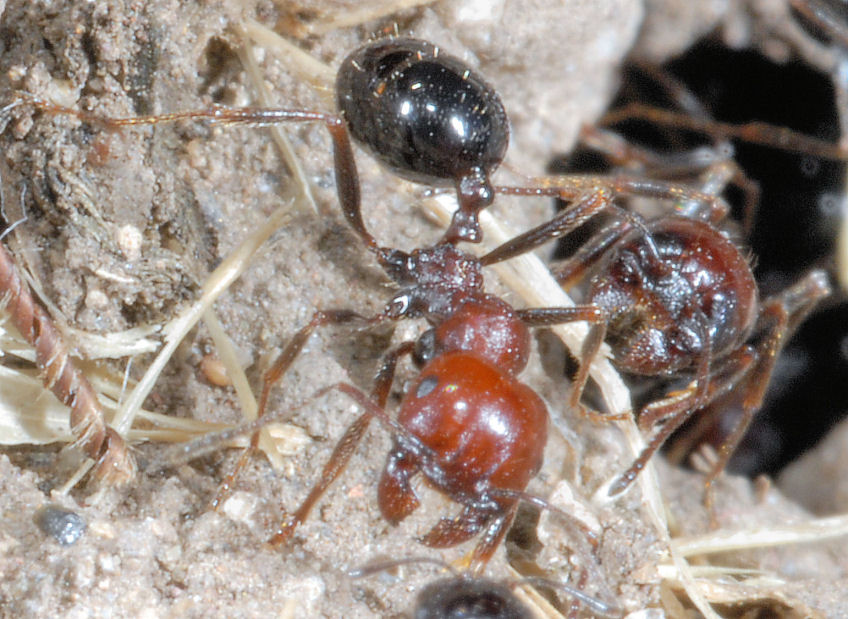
490,540
590,199
564,222
346,446
449,532
576,186
753,132
574,607
700,390
723,173
573,269
717,384
347,178
597,318
623,153
584,540
591,346
715,165
713,158
823,16
395,495
272,375
780,315
678,407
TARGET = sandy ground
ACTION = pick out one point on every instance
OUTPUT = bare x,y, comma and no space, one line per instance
191,194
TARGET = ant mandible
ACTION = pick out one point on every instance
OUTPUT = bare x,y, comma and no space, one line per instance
466,423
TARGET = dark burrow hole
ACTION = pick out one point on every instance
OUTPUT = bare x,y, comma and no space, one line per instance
794,229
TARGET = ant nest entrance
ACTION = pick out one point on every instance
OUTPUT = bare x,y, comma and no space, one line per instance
124,228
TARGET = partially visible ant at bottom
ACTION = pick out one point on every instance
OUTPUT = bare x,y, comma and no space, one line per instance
467,596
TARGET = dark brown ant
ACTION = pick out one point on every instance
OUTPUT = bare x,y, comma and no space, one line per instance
472,598
467,423
684,300
466,596
681,301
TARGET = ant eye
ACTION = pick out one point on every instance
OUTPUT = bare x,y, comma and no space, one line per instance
426,386
399,306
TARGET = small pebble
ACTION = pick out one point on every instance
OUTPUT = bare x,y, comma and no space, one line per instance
63,524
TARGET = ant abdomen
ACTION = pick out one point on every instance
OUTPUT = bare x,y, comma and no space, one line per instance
425,115
421,112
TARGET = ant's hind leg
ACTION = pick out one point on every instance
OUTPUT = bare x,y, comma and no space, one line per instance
272,375
450,532
755,132
347,177
750,368
679,406
597,319
492,537
779,317
347,444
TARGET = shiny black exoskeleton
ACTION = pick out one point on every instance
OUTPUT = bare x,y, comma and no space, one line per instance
426,116
469,598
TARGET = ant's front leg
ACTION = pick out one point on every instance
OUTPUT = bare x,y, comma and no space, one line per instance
590,195
710,168
759,133
347,177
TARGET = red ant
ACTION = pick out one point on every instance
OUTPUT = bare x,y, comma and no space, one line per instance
674,288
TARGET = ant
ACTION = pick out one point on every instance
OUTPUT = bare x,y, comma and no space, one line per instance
673,293
452,598
466,596
682,302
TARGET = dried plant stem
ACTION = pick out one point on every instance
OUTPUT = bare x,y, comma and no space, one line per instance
61,375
